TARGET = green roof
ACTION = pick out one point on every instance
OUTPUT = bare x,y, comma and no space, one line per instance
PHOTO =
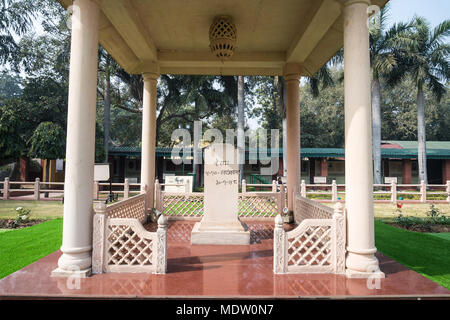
414,144
433,152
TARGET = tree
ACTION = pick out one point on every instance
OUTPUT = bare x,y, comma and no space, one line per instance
12,133
383,59
106,68
322,116
426,57
48,142
399,113
9,86
16,17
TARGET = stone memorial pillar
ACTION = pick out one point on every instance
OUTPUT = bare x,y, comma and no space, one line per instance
220,223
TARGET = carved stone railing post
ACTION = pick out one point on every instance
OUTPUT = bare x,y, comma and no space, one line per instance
303,189
448,191
281,199
6,189
279,245
98,237
334,194
339,238
393,192
161,246
158,196
274,186
423,192
96,190
244,186
37,189
147,205
126,189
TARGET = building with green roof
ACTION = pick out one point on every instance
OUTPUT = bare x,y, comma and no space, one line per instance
399,160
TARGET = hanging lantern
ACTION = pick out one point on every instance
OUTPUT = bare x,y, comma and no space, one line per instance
222,37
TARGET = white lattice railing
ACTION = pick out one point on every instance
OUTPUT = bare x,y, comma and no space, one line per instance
120,242
250,204
316,245
259,204
131,208
309,209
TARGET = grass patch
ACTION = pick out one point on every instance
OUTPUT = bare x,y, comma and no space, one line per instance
19,248
442,235
39,209
424,253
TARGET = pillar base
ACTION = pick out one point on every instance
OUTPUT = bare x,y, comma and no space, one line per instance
61,273
231,233
353,274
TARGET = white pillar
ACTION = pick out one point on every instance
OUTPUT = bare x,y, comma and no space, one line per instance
292,73
149,136
80,149
360,261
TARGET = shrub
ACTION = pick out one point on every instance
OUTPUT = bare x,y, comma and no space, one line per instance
22,217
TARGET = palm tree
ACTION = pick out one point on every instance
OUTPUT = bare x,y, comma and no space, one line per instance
427,61
383,59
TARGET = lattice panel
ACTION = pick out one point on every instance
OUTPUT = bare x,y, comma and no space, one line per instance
183,205
132,208
310,209
311,248
257,206
126,248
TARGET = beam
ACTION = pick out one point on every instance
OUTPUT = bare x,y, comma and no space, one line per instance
306,41
224,71
327,47
243,63
125,18
111,40
171,58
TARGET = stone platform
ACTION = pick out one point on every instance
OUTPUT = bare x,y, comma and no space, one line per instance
217,271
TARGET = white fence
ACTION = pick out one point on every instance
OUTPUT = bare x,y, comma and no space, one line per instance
316,245
256,204
35,189
393,192
120,241
322,192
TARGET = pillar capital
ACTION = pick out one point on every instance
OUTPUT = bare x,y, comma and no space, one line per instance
292,71
150,70
147,76
350,2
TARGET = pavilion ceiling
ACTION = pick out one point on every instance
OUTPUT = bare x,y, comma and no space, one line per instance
174,34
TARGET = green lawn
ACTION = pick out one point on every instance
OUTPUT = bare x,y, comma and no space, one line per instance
39,209
19,248
426,254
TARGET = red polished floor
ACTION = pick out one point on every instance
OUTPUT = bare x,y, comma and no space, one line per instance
216,271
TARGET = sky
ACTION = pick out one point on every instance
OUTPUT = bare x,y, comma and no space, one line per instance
435,11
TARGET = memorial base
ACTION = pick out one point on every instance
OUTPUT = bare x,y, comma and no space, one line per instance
220,233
